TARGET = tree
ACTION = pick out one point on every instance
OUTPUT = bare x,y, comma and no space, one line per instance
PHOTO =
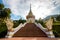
4,14
1,6
58,18
3,30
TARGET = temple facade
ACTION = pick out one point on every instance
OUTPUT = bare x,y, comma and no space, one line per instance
31,29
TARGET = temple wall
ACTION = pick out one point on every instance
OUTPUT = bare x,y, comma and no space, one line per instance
30,20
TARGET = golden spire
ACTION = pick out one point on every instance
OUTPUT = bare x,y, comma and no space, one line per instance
30,15
30,7
30,12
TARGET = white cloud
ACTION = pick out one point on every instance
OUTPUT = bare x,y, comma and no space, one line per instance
40,8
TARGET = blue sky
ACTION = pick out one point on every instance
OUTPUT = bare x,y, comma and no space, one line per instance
0,1
13,16
40,8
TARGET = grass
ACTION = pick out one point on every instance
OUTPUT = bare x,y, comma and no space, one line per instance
56,23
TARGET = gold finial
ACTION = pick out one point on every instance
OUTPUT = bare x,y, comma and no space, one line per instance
30,13
30,7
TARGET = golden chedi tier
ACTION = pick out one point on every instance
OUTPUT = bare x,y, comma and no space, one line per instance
30,17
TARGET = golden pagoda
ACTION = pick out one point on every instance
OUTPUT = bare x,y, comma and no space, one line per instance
30,17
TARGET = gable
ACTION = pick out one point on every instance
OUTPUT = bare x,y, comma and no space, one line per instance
30,30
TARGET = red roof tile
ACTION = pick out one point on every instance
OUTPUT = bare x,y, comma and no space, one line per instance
30,30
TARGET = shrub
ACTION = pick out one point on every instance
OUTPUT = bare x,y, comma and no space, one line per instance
3,30
56,30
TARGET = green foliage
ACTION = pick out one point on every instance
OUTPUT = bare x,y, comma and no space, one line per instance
4,12
17,22
1,6
41,22
7,12
22,21
3,30
56,30
56,23
58,18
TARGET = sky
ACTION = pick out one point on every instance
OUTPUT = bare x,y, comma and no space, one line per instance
40,8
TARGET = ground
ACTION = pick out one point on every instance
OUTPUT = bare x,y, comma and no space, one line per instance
30,38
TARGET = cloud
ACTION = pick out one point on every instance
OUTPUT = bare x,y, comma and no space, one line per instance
40,8
56,10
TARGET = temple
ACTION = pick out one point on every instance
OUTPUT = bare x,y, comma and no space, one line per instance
30,17
31,29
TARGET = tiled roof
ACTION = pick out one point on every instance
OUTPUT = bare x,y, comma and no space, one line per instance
30,30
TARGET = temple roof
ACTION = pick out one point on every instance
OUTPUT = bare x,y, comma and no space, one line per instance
30,30
30,15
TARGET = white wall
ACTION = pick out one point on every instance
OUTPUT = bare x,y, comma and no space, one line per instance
32,20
